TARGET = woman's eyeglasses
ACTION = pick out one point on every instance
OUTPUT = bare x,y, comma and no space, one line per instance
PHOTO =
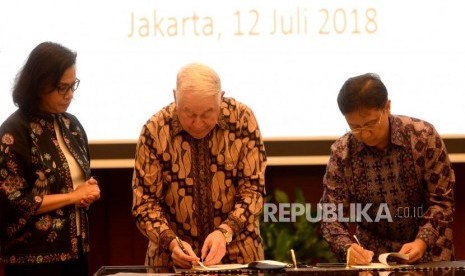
62,89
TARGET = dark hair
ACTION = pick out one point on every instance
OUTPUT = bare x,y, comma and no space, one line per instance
42,71
364,91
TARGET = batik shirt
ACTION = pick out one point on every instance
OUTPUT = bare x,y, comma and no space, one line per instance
32,165
403,193
187,187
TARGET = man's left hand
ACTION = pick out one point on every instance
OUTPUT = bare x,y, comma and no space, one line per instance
214,248
415,250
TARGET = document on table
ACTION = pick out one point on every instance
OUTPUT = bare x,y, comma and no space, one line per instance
211,268
383,262
220,267
261,265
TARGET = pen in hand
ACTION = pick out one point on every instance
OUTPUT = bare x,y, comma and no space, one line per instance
348,263
358,242
181,246
370,253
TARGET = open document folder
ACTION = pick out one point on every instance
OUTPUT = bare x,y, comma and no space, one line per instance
384,262
264,264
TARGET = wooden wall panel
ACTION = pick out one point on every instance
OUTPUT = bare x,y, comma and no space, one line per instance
115,240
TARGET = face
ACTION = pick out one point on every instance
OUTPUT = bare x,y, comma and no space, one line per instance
370,126
198,116
53,102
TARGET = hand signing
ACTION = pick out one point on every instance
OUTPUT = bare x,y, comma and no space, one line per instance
358,255
182,257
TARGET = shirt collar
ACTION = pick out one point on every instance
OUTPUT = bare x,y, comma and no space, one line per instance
397,132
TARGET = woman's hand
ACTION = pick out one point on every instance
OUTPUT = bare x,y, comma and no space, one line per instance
87,193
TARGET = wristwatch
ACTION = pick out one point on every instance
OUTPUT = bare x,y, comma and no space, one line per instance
226,234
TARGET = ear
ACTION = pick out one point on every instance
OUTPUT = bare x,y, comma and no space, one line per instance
222,95
174,94
388,107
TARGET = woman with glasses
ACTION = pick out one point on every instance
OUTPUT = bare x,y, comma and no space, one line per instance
45,181
392,176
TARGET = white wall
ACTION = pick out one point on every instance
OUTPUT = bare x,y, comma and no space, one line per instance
129,53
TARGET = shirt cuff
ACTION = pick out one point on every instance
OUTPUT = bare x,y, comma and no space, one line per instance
165,239
428,235
234,223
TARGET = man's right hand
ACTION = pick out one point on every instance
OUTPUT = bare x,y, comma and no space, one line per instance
183,259
358,255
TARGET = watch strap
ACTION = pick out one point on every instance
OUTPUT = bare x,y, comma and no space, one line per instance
226,234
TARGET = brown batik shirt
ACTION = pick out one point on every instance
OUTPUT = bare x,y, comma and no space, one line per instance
412,182
186,187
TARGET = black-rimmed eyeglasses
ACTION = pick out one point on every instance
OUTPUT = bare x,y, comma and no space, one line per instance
62,89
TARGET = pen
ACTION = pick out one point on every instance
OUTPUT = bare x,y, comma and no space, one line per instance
181,246
356,239
293,258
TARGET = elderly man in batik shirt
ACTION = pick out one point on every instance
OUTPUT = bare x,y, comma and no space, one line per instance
199,176
396,169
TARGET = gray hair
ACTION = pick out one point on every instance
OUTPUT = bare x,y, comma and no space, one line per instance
198,78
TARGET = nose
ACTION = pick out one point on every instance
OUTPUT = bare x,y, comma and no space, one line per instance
365,134
197,123
69,93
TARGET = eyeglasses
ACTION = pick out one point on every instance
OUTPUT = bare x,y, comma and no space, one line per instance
370,126
62,89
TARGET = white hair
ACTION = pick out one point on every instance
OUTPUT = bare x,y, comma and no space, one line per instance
198,78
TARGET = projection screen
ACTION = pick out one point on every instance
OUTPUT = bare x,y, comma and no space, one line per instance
287,59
